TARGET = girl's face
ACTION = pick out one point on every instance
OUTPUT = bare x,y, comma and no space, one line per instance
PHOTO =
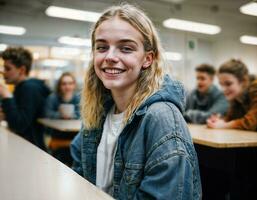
231,86
67,85
119,55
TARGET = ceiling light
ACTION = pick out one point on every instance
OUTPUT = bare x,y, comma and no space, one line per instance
12,30
68,13
249,8
247,39
172,56
191,26
64,51
54,63
3,47
75,41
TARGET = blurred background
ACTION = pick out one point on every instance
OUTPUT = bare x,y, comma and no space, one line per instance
58,33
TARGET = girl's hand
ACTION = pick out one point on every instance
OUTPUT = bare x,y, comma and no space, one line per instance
214,117
216,123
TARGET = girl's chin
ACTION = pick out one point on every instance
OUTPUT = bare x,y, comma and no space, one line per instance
230,98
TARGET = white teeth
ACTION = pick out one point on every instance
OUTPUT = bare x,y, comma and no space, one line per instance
113,71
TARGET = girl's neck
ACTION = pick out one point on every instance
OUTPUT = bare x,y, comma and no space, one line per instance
122,99
121,103
67,97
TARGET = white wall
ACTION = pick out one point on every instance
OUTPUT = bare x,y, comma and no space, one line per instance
226,49
214,53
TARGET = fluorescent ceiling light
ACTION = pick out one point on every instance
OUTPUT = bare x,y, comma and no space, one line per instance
54,63
249,8
68,13
64,52
247,39
12,30
191,26
75,41
3,47
172,56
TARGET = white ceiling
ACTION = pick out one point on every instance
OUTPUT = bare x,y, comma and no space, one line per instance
44,30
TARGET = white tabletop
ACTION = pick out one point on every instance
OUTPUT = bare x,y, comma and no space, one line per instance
222,138
28,173
61,124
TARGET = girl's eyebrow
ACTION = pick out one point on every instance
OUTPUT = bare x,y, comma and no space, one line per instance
120,41
100,40
128,41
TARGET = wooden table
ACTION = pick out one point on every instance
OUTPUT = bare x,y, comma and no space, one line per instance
61,124
227,160
61,136
222,138
28,173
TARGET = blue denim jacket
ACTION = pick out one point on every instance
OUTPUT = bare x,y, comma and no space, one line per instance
155,157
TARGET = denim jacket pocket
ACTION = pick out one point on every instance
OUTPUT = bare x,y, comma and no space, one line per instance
133,174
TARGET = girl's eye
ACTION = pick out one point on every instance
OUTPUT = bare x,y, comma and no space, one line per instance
126,49
101,48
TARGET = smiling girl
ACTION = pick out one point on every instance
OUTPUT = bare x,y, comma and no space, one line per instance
242,95
135,143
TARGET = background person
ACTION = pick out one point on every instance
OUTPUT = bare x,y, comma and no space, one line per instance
62,104
22,109
241,94
135,143
65,94
206,99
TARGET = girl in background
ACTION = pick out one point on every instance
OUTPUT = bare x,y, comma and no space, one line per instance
62,104
135,143
242,95
65,94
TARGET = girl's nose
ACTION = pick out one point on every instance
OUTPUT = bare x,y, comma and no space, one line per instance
111,55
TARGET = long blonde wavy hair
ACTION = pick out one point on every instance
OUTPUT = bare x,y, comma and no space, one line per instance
94,94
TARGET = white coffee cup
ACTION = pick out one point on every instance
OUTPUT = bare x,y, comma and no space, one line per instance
67,110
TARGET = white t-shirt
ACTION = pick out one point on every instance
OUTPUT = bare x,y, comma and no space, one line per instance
106,150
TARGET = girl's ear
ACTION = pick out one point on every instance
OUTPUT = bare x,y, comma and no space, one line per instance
148,60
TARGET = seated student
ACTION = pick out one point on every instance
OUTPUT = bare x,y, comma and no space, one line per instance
62,104
65,94
27,103
206,99
135,143
242,96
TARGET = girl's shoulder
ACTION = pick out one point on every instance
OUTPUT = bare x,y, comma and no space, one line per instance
164,114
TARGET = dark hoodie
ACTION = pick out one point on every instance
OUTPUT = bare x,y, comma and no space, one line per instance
23,110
